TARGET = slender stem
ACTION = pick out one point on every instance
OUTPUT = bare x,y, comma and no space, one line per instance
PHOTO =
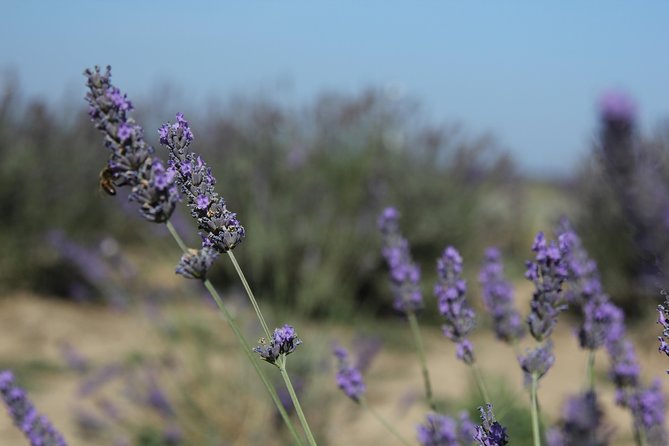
590,372
480,383
535,411
252,298
413,323
383,421
242,341
639,436
281,363
176,236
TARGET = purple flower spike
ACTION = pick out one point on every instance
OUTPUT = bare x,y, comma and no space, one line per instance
36,427
195,263
547,271
284,342
219,228
498,299
490,432
663,320
131,161
438,430
450,291
648,408
404,273
582,424
349,378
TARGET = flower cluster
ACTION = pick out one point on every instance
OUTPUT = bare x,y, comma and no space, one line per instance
548,271
284,342
490,432
450,291
219,228
663,320
498,298
582,423
195,263
404,273
349,377
131,160
442,430
36,427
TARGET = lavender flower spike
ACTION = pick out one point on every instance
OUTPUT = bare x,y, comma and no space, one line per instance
219,228
582,424
438,430
36,427
404,273
131,161
349,377
195,263
663,320
547,271
284,342
498,299
537,361
490,432
450,291
648,408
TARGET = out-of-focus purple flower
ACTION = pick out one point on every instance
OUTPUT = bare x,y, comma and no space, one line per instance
547,271
537,361
625,368
219,228
172,436
99,378
73,358
618,107
498,298
450,291
648,408
404,273
490,432
466,429
284,342
603,323
157,400
196,262
582,273
663,320
582,423
36,427
438,430
349,378
131,160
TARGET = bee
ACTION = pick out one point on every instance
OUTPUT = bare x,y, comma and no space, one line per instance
106,181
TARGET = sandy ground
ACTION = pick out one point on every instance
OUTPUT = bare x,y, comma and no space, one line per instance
33,330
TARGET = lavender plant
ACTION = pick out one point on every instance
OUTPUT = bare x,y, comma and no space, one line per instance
490,432
133,163
582,423
36,427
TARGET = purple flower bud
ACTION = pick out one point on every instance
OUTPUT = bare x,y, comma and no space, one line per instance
582,423
284,342
648,408
617,106
537,361
438,430
195,263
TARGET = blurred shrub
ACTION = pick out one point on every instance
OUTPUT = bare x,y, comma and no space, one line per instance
307,184
622,194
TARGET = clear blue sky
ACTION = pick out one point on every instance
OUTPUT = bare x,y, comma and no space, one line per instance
528,72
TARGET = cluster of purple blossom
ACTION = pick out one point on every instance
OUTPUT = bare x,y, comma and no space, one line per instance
284,341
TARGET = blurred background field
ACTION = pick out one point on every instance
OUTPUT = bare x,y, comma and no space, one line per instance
118,350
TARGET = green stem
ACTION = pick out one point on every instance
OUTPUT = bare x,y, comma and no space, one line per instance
536,435
383,421
242,341
480,384
252,298
590,372
413,323
281,363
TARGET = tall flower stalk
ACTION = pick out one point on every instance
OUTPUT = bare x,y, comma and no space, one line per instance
220,230
458,315
405,280
133,163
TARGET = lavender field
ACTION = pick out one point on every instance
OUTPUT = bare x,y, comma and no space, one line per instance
349,266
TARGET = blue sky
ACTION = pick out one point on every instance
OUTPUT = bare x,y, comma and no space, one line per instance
528,72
